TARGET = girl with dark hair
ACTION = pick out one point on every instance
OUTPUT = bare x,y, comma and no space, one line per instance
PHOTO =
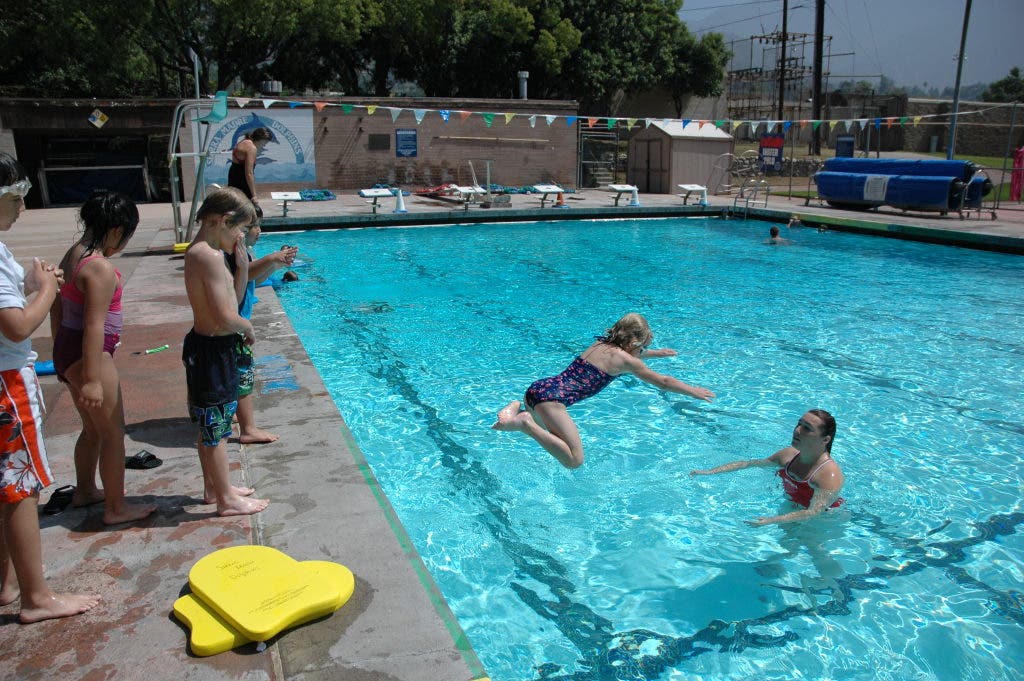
810,476
241,174
86,322
617,352
24,470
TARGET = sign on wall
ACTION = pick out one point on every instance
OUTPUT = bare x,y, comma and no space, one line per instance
289,157
405,143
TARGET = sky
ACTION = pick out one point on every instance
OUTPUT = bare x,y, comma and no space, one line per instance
913,42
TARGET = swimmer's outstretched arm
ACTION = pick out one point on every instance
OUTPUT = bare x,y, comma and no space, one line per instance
820,502
737,465
644,373
658,352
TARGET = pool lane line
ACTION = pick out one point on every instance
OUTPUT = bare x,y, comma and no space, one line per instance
462,643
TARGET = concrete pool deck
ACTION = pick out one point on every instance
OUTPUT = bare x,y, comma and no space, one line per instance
325,502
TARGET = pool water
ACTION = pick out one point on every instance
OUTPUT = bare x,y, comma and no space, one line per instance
628,568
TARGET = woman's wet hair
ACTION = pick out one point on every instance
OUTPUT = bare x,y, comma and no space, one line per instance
259,134
230,202
103,212
629,333
10,170
828,425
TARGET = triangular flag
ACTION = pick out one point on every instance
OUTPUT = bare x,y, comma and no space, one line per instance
647,122
700,124
445,114
268,102
878,124
242,102
465,114
347,108
903,120
786,125
319,106
419,114
686,122
488,119
832,125
533,120
917,119
570,121
849,124
395,113
721,124
664,122
294,105
753,126
509,117
591,122
611,122
550,119
815,125
371,109
630,122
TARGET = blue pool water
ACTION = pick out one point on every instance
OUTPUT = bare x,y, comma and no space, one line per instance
628,568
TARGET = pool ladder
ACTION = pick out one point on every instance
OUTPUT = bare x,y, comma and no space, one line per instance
752,191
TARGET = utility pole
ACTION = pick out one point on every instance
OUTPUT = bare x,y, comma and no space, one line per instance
951,147
819,39
782,62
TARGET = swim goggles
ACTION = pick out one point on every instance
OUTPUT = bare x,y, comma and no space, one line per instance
19,188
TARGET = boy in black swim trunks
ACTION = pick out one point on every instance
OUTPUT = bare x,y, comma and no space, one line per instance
212,346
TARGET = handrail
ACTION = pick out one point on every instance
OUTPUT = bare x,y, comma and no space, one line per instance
184,232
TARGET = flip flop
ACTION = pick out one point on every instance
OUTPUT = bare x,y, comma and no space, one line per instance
59,500
143,460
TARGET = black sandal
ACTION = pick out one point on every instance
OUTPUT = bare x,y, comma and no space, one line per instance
143,460
59,500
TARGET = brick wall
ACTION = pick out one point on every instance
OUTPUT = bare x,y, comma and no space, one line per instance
520,154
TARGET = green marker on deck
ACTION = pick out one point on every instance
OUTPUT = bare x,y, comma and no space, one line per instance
157,349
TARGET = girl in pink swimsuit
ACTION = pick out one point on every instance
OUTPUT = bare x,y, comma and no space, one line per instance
86,324
810,476
618,352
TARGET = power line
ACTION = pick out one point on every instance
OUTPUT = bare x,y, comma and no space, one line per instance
731,4
740,21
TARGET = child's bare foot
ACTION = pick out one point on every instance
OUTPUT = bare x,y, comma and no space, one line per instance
257,436
8,596
83,498
242,506
211,498
128,513
510,418
58,605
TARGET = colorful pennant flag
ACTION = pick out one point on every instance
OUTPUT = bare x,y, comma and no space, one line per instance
346,108
319,106
395,113
488,119
419,114
550,119
445,114
242,102
371,109
267,103
533,121
509,117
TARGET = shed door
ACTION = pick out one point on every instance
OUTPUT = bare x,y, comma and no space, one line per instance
648,171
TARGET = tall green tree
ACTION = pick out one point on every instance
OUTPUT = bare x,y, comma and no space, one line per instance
1008,89
696,67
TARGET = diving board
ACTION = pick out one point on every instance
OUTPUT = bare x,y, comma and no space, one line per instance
284,198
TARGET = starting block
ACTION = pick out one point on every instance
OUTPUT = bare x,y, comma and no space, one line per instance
694,189
285,197
545,190
620,189
376,194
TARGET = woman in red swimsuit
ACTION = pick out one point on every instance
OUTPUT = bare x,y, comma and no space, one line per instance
618,352
810,476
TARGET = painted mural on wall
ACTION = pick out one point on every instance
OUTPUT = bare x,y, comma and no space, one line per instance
289,157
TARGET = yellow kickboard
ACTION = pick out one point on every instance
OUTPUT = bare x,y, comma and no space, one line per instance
212,634
259,591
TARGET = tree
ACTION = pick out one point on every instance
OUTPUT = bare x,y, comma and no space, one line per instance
1008,89
696,68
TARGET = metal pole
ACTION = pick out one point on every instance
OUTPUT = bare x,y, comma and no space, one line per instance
1008,155
951,147
819,30
782,62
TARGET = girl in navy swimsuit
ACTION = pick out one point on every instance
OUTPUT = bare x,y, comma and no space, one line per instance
810,476
545,418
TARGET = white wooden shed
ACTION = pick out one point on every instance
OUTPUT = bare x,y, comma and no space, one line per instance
666,154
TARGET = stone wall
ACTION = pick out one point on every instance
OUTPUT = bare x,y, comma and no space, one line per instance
982,134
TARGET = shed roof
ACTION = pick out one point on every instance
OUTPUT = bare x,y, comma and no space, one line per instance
693,130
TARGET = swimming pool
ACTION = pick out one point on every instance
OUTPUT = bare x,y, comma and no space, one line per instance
627,568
